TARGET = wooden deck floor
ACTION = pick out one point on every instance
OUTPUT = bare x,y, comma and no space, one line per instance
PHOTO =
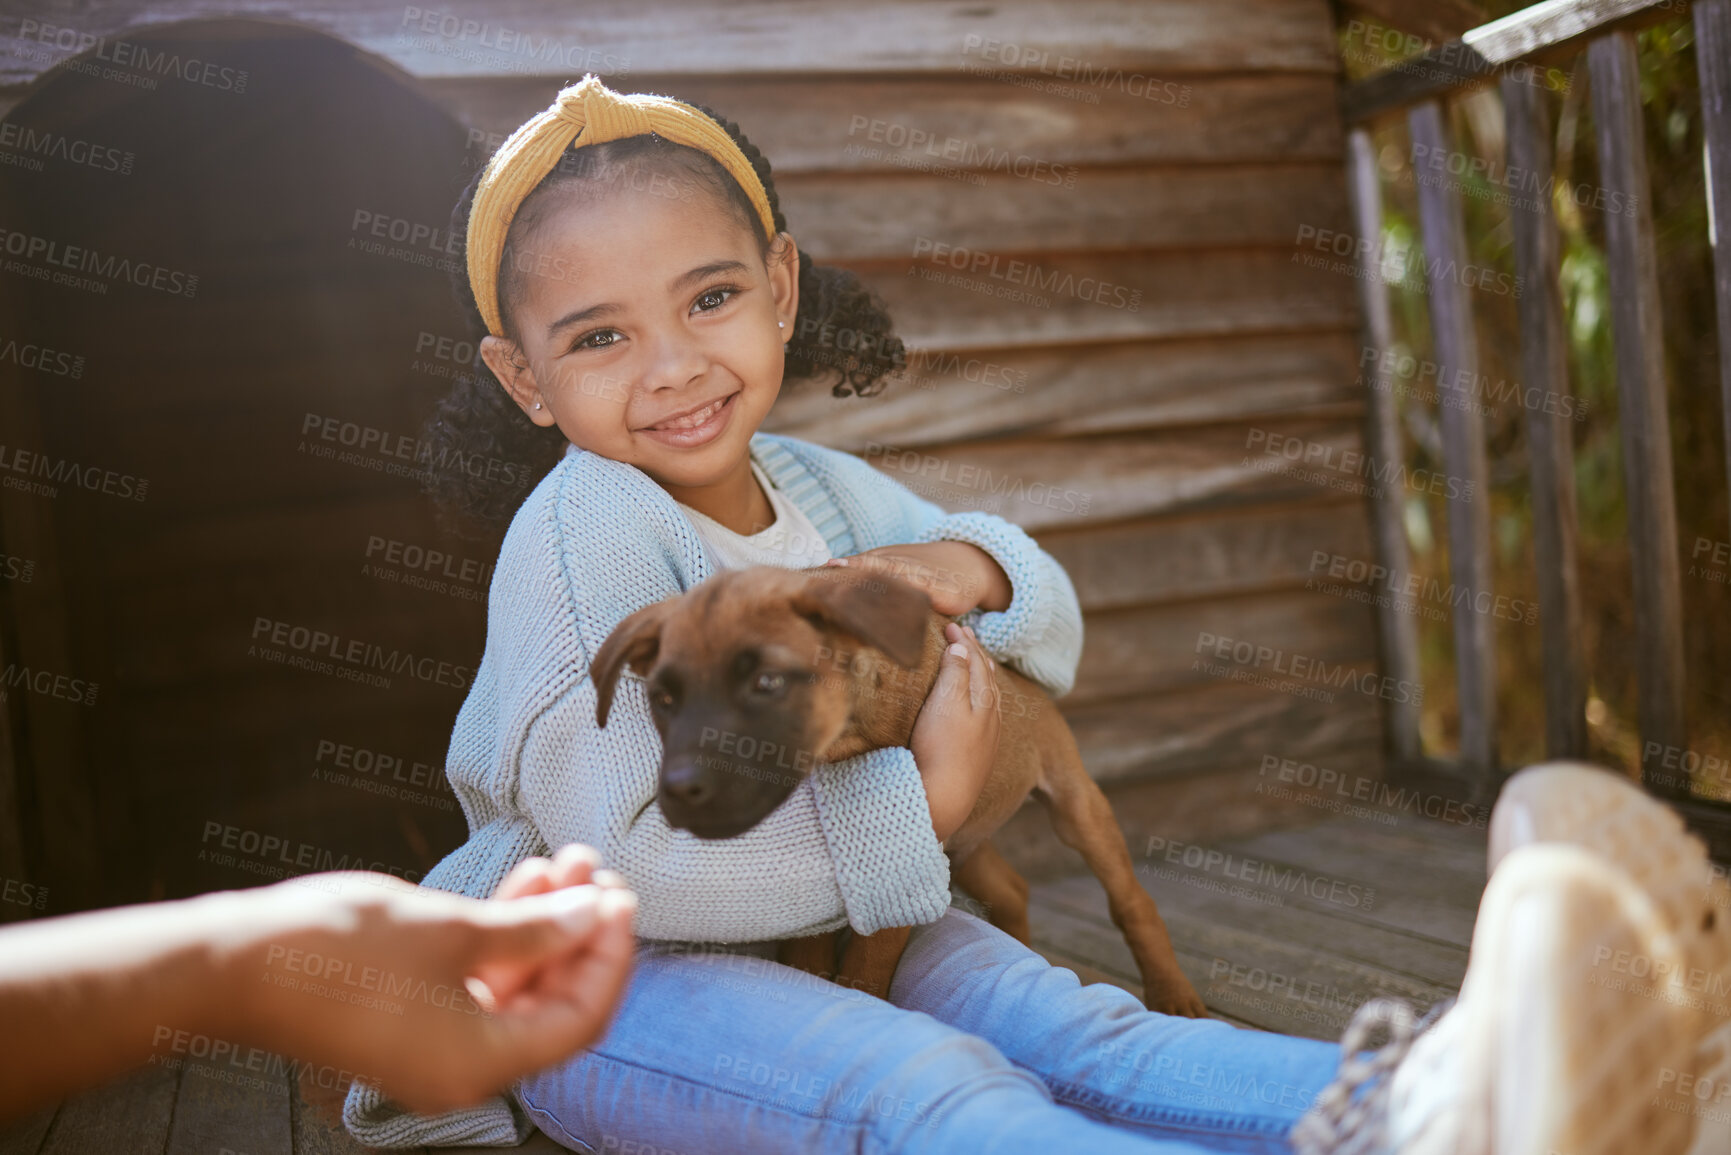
193,1111
1290,930
1286,930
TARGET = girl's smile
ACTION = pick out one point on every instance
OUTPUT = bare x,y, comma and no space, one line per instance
696,426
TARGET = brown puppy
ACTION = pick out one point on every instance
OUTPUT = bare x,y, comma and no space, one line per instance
758,675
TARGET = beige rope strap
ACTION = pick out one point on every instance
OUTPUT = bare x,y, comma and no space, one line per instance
1350,1116
586,113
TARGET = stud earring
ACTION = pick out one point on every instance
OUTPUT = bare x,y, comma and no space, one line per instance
781,324
537,405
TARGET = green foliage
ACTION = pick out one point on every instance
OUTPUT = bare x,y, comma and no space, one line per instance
1673,127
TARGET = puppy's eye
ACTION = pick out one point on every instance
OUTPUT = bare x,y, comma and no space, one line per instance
769,682
661,699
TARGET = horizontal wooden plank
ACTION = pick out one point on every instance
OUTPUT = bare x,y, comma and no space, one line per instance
234,775
1430,19
212,1112
1223,553
1370,898
176,626
24,1136
1456,849
404,748
1213,729
316,535
227,719
1434,902
1384,954
174,639
295,560
1008,202
1225,803
1326,988
1158,648
237,461
402,842
1379,948
1539,34
944,395
1227,296
1024,208
184,655
805,124
392,318
128,1116
182,758
1121,387
1061,298
1079,44
1137,390
1043,485
1384,806
536,1144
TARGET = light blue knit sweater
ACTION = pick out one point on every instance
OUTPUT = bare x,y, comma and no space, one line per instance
598,540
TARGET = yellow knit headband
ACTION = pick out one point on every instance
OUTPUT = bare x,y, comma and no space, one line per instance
590,113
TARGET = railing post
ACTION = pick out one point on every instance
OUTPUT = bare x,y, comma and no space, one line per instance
1463,445
1397,633
1550,437
1641,400
1713,59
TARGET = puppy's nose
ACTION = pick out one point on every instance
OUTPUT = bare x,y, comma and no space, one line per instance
687,781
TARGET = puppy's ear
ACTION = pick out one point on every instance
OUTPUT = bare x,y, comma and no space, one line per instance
634,642
880,611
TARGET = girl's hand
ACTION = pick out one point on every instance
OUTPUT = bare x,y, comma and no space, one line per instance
957,575
955,739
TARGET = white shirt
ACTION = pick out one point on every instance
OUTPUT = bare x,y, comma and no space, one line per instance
791,541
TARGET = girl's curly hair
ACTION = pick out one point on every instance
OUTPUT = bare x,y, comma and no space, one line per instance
843,330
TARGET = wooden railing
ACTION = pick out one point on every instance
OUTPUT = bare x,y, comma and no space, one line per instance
1505,53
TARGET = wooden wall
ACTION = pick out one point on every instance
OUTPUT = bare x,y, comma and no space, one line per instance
1177,149
1207,138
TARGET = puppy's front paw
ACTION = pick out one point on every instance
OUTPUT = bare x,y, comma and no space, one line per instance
1174,996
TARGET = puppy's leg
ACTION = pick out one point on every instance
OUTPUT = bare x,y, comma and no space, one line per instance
989,877
815,954
869,961
1084,822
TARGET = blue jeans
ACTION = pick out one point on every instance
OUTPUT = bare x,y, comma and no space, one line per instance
983,1047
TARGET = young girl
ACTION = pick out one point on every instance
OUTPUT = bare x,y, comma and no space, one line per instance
644,304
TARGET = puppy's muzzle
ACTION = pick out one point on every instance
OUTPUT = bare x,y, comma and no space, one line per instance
686,782
717,797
